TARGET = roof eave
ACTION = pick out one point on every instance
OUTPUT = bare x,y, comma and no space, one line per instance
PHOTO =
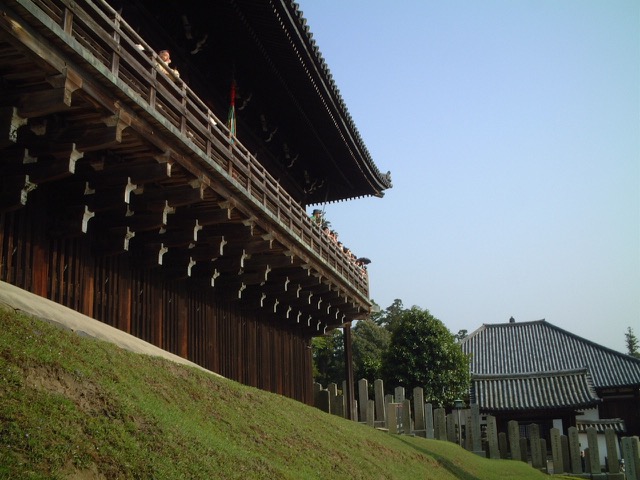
313,62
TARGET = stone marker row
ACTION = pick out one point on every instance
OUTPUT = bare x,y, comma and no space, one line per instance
399,415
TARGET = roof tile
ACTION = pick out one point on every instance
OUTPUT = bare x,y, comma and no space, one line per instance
529,347
538,391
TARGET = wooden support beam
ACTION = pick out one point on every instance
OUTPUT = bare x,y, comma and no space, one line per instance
176,196
275,261
204,252
276,303
10,123
203,216
254,297
53,165
99,173
72,221
233,238
15,159
15,192
114,241
120,121
44,102
138,222
247,245
101,199
61,164
231,264
255,278
51,100
296,275
44,147
197,261
275,287
268,237
169,238
99,139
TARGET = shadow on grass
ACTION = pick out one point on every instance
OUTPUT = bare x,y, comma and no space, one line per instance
443,461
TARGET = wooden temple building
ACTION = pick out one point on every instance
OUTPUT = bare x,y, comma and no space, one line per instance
536,372
171,204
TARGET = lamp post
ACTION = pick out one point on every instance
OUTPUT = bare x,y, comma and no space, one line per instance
458,404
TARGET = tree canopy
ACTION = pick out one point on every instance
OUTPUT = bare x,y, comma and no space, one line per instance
423,352
370,341
404,347
328,358
385,318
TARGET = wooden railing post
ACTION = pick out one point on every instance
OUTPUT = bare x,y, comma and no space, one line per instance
67,21
115,57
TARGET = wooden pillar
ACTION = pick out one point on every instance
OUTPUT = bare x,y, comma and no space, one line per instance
157,317
183,317
40,270
211,341
348,364
124,305
88,293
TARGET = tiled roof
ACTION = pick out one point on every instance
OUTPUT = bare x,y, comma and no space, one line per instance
272,18
292,6
527,347
537,391
617,424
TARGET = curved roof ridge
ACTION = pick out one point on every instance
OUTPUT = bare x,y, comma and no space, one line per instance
527,322
486,326
548,324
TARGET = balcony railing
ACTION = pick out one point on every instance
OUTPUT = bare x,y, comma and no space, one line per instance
99,35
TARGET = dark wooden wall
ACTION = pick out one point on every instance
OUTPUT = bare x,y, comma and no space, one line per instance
622,403
181,316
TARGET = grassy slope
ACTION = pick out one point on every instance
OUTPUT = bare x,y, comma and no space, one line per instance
72,407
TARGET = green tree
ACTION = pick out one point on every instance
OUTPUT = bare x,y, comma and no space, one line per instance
424,353
386,318
328,358
632,343
461,335
370,341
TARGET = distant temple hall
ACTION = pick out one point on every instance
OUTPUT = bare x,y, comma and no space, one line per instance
535,372
158,162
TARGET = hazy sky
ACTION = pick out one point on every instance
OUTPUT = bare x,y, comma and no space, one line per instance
512,132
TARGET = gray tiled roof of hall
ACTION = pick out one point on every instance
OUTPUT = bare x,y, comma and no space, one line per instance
534,391
538,346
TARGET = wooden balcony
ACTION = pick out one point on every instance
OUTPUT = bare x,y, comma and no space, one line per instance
145,161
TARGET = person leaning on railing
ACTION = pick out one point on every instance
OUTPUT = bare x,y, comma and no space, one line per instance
316,217
162,65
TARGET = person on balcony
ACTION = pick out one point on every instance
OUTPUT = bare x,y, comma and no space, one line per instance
163,65
316,217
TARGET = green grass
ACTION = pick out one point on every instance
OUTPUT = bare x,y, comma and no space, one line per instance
73,407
